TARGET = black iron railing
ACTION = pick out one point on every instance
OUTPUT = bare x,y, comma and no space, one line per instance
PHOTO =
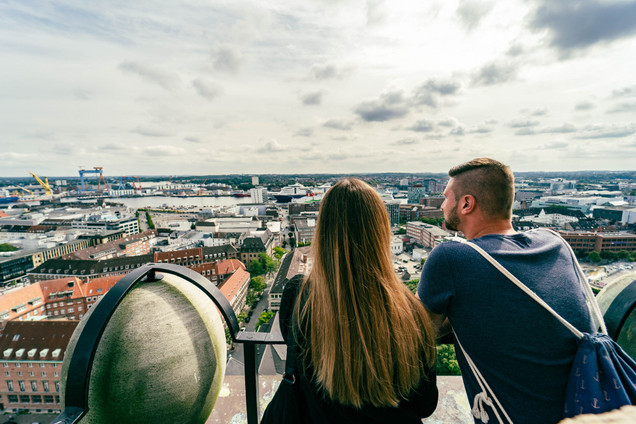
78,378
76,394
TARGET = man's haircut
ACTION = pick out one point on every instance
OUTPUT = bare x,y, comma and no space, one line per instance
490,182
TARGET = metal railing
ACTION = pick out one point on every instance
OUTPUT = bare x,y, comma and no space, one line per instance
76,394
78,378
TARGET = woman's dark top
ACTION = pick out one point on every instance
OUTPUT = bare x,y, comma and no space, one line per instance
421,402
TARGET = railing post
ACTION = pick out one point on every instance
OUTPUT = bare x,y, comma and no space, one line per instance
251,383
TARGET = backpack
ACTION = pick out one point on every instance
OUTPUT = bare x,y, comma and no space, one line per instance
602,377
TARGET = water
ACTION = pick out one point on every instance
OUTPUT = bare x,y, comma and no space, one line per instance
176,202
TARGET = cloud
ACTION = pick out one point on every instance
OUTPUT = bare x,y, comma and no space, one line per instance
577,25
375,12
430,92
192,139
422,125
459,130
338,124
407,141
326,72
448,122
226,59
515,50
481,129
607,131
163,150
471,12
391,105
560,129
494,73
584,105
623,107
271,146
557,145
113,147
151,132
304,132
309,99
625,92
163,78
522,123
206,89
536,112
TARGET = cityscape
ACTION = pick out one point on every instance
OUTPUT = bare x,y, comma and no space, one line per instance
66,242
205,134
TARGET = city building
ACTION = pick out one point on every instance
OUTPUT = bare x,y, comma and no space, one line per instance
295,262
258,194
415,193
623,214
100,222
254,245
304,229
393,209
32,355
586,242
235,289
425,235
397,245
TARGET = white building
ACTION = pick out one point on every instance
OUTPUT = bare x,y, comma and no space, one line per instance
258,194
397,246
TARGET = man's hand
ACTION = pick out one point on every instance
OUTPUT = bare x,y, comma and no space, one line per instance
440,323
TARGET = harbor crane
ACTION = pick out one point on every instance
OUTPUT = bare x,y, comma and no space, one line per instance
100,178
45,184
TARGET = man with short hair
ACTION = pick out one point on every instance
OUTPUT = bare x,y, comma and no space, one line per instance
521,350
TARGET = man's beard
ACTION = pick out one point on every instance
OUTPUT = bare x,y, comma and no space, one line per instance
451,220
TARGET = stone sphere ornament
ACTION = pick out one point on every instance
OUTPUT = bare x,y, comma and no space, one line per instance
161,358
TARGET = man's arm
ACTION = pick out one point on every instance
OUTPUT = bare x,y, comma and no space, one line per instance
440,323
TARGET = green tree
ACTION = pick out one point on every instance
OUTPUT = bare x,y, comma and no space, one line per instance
623,254
264,319
594,257
262,265
284,243
412,285
447,360
401,230
151,225
609,255
252,298
258,284
279,252
6,247
241,317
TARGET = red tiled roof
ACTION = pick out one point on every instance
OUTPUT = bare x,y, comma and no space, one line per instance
233,284
228,266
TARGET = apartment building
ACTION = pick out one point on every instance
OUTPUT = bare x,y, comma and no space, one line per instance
425,235
586,242
32,355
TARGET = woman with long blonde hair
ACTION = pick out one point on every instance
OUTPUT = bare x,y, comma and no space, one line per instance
365,342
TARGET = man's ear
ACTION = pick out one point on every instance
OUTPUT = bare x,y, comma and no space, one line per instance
467,204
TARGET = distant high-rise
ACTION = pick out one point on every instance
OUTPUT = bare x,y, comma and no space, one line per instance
254,180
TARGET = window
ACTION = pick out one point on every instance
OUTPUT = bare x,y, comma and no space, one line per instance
43,373
48,399
18,365
30,364
57,386
6,364
13,398
45,385
31,374
36,399
22,386
34,386
25,399
10,385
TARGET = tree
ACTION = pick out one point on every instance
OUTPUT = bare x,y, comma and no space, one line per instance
623,254
151,224
262,265
252,298
241,317
284,243
594,257
279,252
258,284
264,319
609,255
447,360
412,285
401,230
6,247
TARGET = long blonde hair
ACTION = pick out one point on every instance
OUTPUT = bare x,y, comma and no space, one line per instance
369,340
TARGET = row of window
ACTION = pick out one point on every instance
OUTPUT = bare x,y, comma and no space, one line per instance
34,386
31,373
29,364
33,399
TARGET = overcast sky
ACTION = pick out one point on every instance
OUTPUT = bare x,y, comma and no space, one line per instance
210,87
